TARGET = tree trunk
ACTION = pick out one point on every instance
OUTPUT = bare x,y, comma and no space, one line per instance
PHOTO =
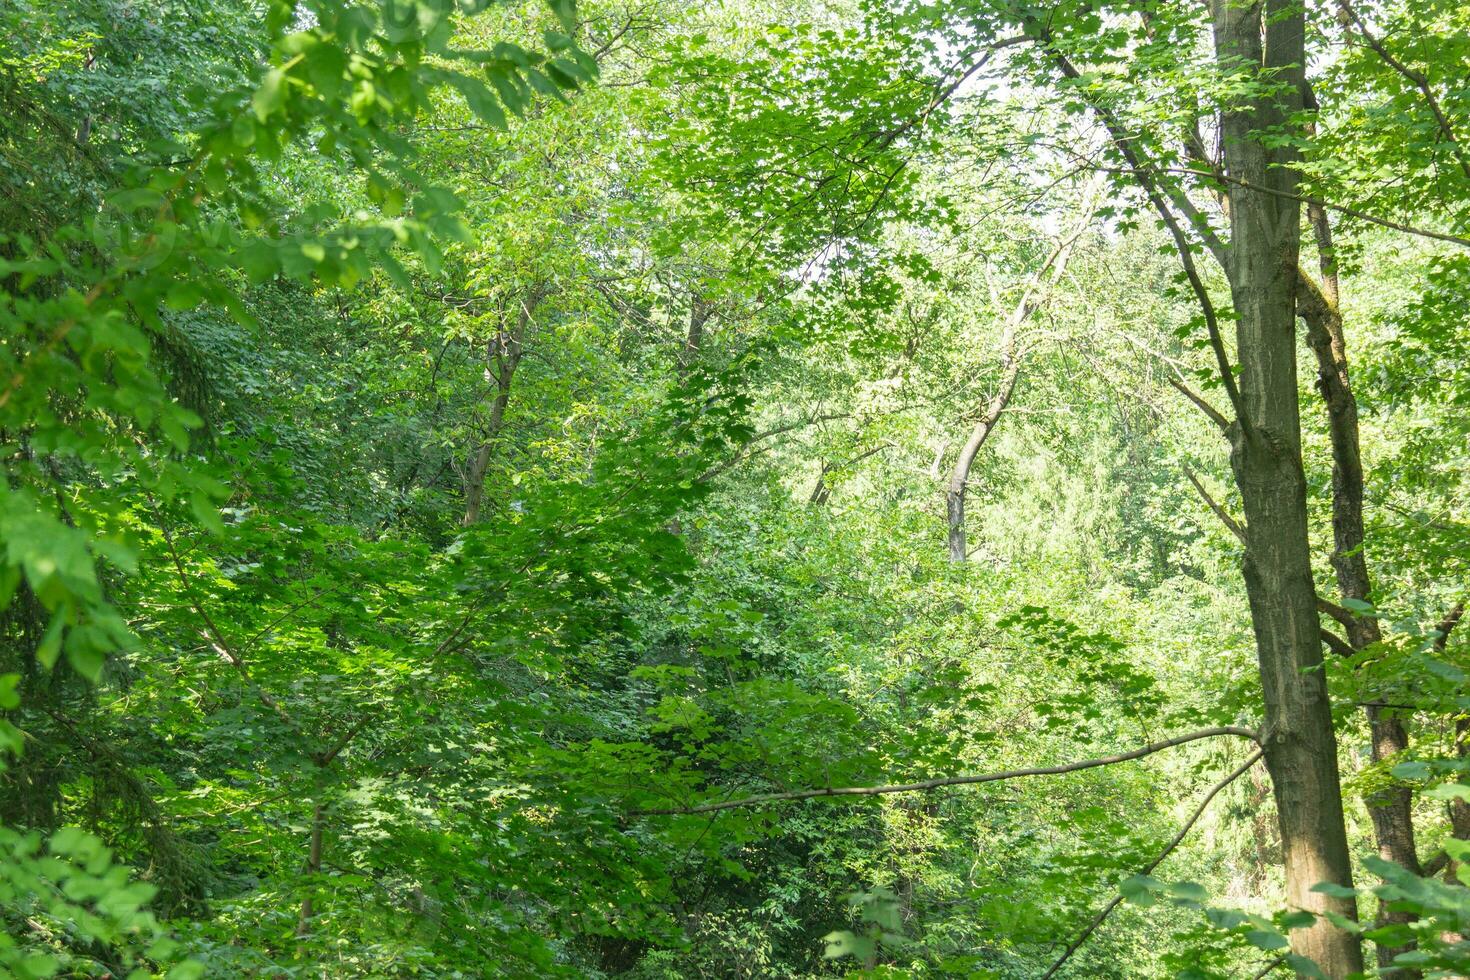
1391,808
474,495
313,866
1265,42
503,356
1011,355
959,477
699,314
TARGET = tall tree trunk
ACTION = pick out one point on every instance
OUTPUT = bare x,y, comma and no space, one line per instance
474,495
313,867
699,314
1265,42
1392,807
959,477
503,357
1011,355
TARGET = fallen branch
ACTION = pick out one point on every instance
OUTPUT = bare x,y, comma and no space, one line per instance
1168,849
930,784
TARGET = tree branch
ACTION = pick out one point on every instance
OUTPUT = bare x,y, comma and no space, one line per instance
326,758
217,638
1337,644
1168,849
1143,173
1211,412
1176,381
1308,199
1269,967
1418,79
1220,512
930,784
1447,625
1337,612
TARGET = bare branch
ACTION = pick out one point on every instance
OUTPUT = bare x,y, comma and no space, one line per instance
1176,380
931,784
1168,849
1219,511
1145,176
1337,644
1372,219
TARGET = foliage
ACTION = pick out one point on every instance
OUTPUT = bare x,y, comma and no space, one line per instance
455,453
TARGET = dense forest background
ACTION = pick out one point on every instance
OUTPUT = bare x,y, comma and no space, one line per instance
748,489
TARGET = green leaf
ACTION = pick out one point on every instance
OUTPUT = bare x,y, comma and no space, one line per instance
1441,669
270,95
1262,939
85,658
1411,770
9,699
49,648
482,101
843,943
1188,891
1140,889
1304,967
205,512
1333,889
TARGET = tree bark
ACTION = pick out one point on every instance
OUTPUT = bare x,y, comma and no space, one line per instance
1265,43
959,477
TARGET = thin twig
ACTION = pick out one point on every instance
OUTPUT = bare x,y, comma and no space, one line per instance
1144,174
1270,966
1419,81
1372,219
220,644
